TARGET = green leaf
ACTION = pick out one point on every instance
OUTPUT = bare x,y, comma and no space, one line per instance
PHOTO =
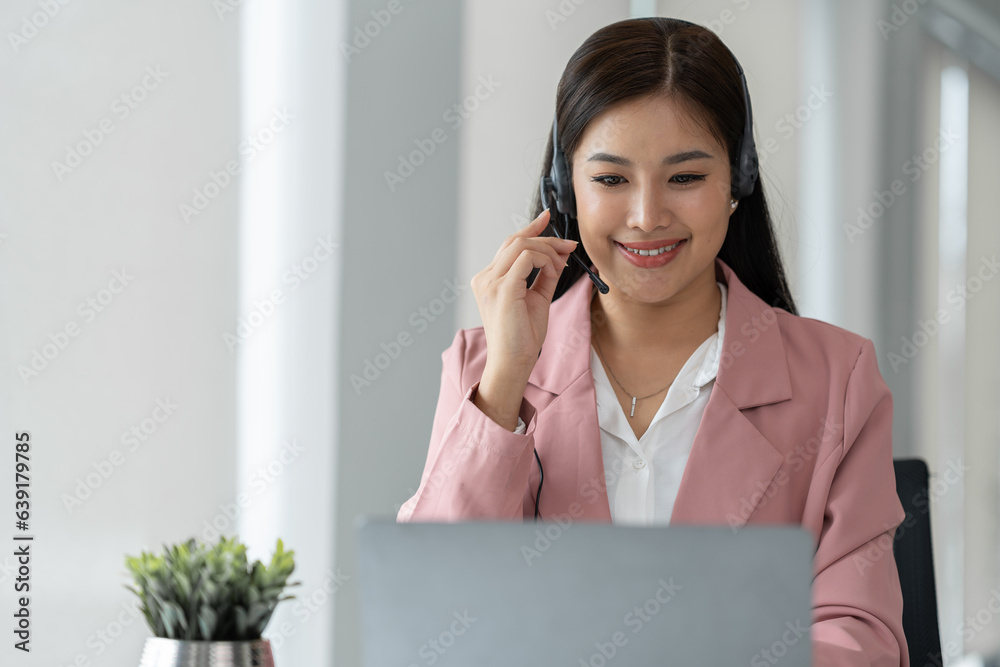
195,590
207,622
242,622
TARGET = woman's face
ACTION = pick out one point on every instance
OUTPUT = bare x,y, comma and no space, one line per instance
646,176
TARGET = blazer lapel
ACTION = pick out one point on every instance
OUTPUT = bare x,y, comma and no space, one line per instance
731,464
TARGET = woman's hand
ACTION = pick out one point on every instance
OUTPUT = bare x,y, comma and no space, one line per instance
515,318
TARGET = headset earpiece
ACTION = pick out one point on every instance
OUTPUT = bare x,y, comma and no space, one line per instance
745,169
562,185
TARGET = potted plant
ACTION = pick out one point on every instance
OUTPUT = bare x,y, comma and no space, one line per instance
206,605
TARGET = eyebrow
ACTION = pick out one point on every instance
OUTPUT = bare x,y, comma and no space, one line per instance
671,159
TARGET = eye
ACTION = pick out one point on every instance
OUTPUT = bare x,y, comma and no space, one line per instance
690,178
602,180
611,181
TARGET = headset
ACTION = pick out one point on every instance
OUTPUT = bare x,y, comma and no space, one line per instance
556,190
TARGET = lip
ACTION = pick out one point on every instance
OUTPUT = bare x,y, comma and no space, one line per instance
650,245
648,262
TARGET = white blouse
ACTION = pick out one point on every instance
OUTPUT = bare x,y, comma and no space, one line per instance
644,474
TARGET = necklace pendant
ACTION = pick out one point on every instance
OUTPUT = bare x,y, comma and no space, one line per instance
633,407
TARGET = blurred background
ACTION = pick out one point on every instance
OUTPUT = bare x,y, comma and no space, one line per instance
236,236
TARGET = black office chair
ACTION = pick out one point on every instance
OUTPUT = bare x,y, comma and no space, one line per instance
915,562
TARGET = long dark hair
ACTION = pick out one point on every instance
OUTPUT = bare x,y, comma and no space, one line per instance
636,58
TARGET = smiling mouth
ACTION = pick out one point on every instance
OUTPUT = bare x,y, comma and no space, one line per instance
652,253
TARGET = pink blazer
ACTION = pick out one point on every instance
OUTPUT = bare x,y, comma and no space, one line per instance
798,429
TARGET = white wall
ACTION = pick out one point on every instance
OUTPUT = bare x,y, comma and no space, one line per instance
158,339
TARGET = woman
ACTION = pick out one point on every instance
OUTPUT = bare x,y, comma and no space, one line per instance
690,392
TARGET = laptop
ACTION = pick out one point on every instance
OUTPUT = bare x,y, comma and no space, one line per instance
478,594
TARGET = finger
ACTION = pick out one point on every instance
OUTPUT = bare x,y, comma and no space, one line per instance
507,256
547,280
550,246
514,281
533,228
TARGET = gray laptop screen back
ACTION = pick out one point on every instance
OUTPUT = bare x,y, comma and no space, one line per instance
583,594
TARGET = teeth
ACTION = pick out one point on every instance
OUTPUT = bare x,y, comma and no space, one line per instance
653,253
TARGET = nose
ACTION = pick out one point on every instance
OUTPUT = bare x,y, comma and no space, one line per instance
648,208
